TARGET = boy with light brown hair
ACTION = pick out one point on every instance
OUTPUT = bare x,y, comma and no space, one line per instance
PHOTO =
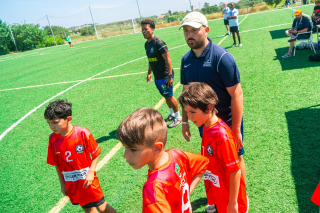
224,183
172,175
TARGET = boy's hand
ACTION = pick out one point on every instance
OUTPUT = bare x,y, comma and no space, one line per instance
89,179
238,138
232,207
186,132
169,81
64,189
149,78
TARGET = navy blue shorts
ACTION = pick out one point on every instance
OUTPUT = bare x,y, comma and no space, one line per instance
241,151
163,89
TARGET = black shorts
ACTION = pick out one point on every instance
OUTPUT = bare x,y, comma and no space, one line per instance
69,42
226,21
93,204
234,29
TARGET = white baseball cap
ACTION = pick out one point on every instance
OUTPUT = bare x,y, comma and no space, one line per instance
194,19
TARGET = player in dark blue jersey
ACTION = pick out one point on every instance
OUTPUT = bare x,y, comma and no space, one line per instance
161,66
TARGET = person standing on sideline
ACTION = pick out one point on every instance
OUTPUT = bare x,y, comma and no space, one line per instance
225,12
210,63
160,63
69,41
233,23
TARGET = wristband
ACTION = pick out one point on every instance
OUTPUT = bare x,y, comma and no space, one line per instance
185,122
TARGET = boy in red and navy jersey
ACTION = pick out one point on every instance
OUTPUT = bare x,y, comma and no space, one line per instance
173,174
224,183
69,151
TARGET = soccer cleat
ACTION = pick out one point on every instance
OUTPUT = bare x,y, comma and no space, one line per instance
175,122
227,34
211,208
239,45
293,38
169,118
286,55
235,44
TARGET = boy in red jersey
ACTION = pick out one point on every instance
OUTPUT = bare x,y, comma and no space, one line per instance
69,151
224,183
316,196
172,175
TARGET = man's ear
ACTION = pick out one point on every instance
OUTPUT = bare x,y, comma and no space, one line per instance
158,147
207,30
69,118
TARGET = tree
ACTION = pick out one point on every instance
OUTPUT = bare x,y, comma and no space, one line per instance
206,4
176,13
170,12
6,43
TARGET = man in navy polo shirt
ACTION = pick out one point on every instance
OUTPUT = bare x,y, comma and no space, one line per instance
210,63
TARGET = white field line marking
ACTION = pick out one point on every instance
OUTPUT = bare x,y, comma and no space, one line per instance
63,201
14,57
32,111
228,35
264,27
68,82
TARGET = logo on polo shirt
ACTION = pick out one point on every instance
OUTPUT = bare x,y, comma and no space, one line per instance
185,66
151,50
207,63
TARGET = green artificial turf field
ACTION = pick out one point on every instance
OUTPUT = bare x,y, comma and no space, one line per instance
281,115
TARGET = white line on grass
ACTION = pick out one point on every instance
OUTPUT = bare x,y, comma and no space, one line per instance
32,111
265,27
63,201
68,82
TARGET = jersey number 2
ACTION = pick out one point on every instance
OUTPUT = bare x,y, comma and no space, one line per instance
68,153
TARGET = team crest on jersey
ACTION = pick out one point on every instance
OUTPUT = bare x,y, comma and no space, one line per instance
207,63
79,149
209,150
177,169
151,50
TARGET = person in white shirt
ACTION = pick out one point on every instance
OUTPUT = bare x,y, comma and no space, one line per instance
234,26
225,12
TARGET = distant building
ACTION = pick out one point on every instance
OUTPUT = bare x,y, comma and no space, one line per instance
182,12
161,16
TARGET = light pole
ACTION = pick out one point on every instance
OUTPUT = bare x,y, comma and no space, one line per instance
139,10
190,5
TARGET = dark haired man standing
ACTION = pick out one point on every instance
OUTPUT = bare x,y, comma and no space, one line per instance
160,63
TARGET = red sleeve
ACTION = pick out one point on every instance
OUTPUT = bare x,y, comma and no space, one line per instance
229,155
160,205
91,145
51,160
198,163
316,196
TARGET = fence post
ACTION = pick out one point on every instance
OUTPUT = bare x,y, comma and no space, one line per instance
51,31
134,30
93,23
13,38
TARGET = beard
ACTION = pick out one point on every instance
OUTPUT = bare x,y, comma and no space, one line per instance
196,44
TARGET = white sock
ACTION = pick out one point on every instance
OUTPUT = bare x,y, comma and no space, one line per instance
177,114
171,111
228,31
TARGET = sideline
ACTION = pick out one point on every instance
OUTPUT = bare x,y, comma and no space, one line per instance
63,201
274,10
